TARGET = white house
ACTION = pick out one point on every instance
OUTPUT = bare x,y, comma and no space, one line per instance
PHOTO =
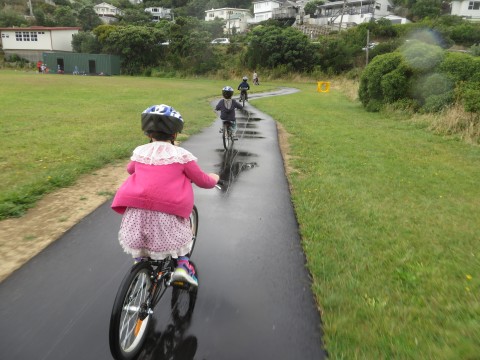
159,13
470,10
237,19
263,10
107,12
30,42
353,12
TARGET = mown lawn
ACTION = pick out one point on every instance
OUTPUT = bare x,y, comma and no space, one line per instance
388,212
57,127
390,220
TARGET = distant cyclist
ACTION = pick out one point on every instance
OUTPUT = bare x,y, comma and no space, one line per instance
227,107
243,87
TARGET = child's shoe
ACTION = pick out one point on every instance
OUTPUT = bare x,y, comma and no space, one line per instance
139,259
185,272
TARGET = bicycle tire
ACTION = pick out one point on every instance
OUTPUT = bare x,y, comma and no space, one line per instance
194,226
183,301
226,136
128,332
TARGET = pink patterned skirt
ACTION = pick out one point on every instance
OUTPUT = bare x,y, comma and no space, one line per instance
154,234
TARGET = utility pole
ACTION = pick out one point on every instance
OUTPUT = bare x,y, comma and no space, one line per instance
367,47
341,18
30,7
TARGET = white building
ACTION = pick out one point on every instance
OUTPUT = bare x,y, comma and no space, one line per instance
30,42
354,12
159,13
234,18
470,10
107,12
263,10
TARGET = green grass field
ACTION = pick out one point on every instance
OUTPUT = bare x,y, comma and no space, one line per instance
390,221
388,212
56,128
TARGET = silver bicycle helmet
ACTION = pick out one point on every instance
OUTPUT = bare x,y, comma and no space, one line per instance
161,118
245,78
227,92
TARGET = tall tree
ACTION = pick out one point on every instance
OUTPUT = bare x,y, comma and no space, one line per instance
88,18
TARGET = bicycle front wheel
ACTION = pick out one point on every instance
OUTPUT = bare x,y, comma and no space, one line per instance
130,317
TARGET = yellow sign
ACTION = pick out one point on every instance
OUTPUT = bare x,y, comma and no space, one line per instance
323,86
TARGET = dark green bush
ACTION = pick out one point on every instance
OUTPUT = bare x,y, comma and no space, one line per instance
422,57
470,96
431,85
395,84
460,66
436,103
371,88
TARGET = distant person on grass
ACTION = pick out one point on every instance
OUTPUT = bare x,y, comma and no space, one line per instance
157,199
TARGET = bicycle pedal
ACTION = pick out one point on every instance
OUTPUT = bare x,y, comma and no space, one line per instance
181,284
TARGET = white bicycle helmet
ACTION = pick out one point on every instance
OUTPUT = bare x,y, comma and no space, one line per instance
161,118
245,78
227,92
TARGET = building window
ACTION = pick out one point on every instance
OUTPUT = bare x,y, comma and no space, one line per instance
33,36
26,36
18,36
474,5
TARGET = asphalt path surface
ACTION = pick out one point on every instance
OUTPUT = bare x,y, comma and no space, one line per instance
254,299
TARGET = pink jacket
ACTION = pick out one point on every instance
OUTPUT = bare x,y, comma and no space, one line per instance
161,182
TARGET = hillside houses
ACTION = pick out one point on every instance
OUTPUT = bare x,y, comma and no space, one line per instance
107,12
159,13
467,9
236,20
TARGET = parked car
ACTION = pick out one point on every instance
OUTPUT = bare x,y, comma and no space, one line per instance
370,46
221,41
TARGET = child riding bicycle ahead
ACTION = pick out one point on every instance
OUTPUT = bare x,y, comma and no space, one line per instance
227,107
243,87
157,198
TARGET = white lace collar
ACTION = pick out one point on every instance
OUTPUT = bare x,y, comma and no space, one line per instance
161,153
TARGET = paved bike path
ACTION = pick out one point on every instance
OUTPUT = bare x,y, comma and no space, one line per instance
254,299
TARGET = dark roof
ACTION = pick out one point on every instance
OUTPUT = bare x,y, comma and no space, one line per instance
39,28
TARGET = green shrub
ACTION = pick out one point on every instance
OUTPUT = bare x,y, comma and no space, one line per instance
459,66
395,85
431,85
436,103
406,104
420,56
475,50
371,88
471,97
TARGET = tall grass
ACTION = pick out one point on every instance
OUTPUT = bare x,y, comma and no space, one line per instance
57,127
390,223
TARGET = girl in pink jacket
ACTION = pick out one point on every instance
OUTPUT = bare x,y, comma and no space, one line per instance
157,198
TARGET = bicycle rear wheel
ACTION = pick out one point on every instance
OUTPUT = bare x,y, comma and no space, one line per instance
183,301
129,322
227,136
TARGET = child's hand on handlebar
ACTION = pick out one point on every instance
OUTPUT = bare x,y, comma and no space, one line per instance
214,176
